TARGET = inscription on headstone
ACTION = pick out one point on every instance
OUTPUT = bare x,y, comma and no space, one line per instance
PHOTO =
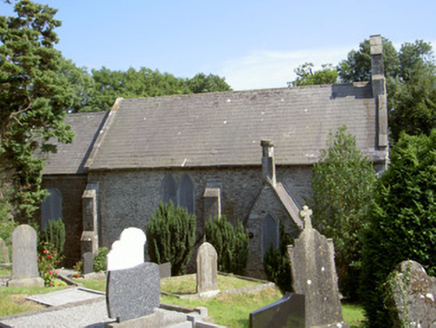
413,294
286,312
24,262
89,238
4,252
314,275
207,272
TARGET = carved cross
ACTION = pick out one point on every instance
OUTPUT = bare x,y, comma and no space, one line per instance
305,214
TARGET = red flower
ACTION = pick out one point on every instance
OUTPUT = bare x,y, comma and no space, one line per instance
44,251
48,256
37,258
54,252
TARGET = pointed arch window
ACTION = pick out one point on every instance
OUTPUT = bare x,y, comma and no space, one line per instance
51,208
186,195
270,233
169,190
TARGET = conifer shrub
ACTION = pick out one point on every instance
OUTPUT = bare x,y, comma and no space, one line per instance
99,263
231,244
276,263
402,222
171,237
55,235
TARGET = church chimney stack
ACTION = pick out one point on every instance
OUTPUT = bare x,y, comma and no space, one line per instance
378,83
268,164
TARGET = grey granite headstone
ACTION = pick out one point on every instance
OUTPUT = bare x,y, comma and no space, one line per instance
314,275
286,312
134,292
4,252
165,270
88,262
207,272
24,262
413,295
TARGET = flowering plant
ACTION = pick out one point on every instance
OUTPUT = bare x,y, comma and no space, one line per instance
48,260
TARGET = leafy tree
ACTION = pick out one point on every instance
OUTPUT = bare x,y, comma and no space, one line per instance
231,244
171,236
402,221
306,76
207,83
357,66
411,83
342,183
33,97
82,85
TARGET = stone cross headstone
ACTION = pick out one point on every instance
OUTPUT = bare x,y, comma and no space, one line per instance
207,272
4,252
133,287
88,262
24,261
314,275
413,294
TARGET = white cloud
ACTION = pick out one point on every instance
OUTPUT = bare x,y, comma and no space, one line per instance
273,69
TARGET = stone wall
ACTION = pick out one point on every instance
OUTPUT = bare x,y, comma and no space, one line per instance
129,198
267,204
71,189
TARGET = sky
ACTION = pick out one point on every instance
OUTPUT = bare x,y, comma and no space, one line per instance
252,44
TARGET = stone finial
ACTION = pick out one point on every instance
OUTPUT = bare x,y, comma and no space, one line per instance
305,214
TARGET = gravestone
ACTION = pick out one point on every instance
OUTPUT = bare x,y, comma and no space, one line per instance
134,292
165,270
128,251
133,287
413,294
4,252
207,272
286,312
24,263
314,275
88,262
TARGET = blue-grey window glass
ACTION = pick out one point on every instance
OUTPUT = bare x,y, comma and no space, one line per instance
51,208
270,233
186,194
169,190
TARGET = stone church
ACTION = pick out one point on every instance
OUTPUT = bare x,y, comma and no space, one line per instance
247,155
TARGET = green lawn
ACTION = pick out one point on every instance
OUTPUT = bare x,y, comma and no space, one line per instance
230,310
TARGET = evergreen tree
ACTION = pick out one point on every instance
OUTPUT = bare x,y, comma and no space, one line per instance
343,182
33,99
171,237
402,221
230,243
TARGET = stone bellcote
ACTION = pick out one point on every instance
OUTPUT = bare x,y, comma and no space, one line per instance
378,83
268,164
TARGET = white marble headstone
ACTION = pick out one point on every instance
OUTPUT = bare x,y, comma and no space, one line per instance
127,252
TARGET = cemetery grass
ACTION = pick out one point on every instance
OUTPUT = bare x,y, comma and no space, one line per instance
13,299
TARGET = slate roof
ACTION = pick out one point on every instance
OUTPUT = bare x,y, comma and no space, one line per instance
225,128
70,158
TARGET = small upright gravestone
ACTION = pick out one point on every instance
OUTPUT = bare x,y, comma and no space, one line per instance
314,275
413,295
4,252
133,287
207,272
24,262
88,262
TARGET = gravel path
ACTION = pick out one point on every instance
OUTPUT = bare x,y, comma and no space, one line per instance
89,313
